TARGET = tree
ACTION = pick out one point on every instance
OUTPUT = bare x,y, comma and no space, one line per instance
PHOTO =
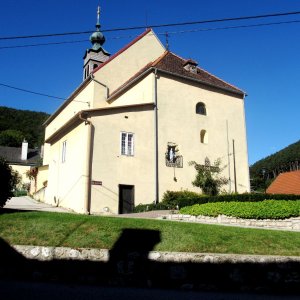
9,180
11,138
208,177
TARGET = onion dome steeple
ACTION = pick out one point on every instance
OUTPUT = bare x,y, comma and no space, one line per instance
97,38
96,55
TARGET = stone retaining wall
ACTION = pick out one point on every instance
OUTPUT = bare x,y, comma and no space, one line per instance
192,271
102,255
286,224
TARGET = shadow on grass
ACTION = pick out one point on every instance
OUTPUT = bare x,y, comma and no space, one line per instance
4,211
129,266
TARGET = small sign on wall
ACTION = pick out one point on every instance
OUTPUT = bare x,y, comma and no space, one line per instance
94,182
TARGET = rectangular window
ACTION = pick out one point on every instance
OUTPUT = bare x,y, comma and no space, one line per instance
63,152
127,143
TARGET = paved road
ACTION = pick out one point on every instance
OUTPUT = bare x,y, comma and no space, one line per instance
50,291
27,203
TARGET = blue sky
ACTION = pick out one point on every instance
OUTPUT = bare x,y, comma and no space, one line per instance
263,61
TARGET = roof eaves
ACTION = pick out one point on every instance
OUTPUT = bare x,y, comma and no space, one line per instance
210,74
69,99
113,108
238,92
76,118
66,125
129,83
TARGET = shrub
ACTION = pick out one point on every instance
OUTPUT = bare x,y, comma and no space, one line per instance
181,198
268,209
208,177
9,181
19,193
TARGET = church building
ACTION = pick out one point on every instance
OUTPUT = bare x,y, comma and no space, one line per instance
127,134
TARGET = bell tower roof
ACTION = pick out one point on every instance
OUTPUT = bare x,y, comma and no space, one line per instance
97,38
96,55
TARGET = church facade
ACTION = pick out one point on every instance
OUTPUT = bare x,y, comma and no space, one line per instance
128,132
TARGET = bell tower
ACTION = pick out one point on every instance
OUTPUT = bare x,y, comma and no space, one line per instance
96,55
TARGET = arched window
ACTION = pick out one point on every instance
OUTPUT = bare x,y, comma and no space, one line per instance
87,71
203,137
200,108
95,66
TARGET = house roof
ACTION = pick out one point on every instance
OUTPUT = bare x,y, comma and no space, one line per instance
175,65
13,156
286,183
172,64
168,63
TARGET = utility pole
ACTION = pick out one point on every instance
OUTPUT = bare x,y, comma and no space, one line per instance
228,156
234,167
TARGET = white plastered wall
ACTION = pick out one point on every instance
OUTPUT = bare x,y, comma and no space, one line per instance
22,172
112,168
141,92
67,181
131,61
82,101
178,123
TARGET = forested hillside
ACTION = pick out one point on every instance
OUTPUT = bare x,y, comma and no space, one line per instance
15,125
265,170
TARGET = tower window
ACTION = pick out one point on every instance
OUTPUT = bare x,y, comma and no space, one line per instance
203,137
200,108
95,66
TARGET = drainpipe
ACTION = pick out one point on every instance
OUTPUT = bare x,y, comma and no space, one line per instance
107,89
88,169
156,137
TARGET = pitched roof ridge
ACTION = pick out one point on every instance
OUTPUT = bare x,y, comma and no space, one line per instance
178,56
122,49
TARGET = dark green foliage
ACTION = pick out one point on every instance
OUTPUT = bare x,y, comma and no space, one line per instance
16,123
268,209
265,170
182,198
9,181
11,138
179,199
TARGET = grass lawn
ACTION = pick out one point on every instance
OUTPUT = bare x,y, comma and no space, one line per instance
80,231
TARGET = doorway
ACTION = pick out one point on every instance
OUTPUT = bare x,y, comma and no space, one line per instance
126,198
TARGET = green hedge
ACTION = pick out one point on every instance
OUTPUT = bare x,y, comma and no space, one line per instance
268,209
179,199
186,198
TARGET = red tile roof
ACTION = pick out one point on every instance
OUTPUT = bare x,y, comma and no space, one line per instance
175,65
286,183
